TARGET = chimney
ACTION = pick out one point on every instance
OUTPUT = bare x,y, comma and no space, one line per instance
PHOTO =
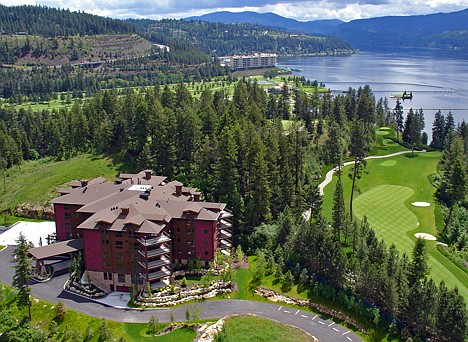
125,210
84,182
148,174
196,197
178,190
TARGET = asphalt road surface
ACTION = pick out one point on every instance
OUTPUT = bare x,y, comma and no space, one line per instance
52,291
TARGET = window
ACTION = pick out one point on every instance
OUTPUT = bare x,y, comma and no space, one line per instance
205,242
136,245
118,244
206,252
118,234
120,256
68,226
120,267
67,216
66,207
121,278
69,235
107,276
206,231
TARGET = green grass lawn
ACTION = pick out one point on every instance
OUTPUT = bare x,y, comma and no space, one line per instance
254,328
385,196
37,181
242,278
43,313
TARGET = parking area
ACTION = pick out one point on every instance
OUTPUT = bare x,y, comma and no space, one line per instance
36,232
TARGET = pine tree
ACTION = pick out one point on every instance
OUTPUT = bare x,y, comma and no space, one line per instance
398,117
22,273
359,149
418,268
438,131
338,210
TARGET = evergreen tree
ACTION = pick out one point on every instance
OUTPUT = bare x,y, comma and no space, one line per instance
359,149
418,268
22,273
338,210
451,315
398,117
438,131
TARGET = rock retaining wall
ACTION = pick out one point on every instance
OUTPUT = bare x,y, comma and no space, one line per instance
276,297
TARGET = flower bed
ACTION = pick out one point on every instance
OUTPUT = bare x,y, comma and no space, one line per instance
177,295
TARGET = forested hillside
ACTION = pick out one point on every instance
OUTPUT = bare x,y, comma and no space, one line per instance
236,151
226,39
52,22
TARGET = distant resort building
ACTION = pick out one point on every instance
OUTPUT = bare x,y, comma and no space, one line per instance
244,62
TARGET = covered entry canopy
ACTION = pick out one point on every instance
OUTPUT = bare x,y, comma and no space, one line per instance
56,249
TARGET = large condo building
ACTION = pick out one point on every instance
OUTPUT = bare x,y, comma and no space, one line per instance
136,230
255,61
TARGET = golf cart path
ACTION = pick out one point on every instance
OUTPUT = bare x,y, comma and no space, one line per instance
329,175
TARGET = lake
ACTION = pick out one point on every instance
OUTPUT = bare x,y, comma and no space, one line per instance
437,78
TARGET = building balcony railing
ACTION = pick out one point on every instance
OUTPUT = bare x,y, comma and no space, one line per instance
164,272
154,241
154,252
225,244
156,263
224,235
226,214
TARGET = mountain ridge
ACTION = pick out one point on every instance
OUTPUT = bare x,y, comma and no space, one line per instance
438,30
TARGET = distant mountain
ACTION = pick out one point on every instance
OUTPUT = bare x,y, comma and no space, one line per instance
323,27
440,30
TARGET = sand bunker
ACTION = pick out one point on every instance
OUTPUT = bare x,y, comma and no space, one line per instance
425,236
421,204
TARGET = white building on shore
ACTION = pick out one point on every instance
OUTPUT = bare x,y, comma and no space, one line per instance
254,61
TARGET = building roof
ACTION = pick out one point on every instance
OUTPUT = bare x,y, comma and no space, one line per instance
144,202
55,249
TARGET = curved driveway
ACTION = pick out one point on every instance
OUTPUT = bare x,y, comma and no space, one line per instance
52,291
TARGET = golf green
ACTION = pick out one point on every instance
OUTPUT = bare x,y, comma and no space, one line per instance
388,163
384,206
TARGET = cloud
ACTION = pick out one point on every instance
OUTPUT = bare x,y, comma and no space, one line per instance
296,9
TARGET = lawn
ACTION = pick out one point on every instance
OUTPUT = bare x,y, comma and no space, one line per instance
240,328
385,195
43,313
36,182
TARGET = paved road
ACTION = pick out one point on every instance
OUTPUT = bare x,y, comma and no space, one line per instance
330,173
52,291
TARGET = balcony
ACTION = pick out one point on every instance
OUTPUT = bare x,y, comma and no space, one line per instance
226,214
225,244
224,235
164,272
154,241
223,224
154,252
155,264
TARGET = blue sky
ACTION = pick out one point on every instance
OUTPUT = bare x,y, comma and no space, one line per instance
300,9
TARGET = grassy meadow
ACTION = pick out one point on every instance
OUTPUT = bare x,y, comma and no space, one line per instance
37,182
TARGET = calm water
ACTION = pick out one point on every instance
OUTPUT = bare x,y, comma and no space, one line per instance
438,79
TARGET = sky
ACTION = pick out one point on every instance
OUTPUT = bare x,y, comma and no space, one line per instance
302,10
